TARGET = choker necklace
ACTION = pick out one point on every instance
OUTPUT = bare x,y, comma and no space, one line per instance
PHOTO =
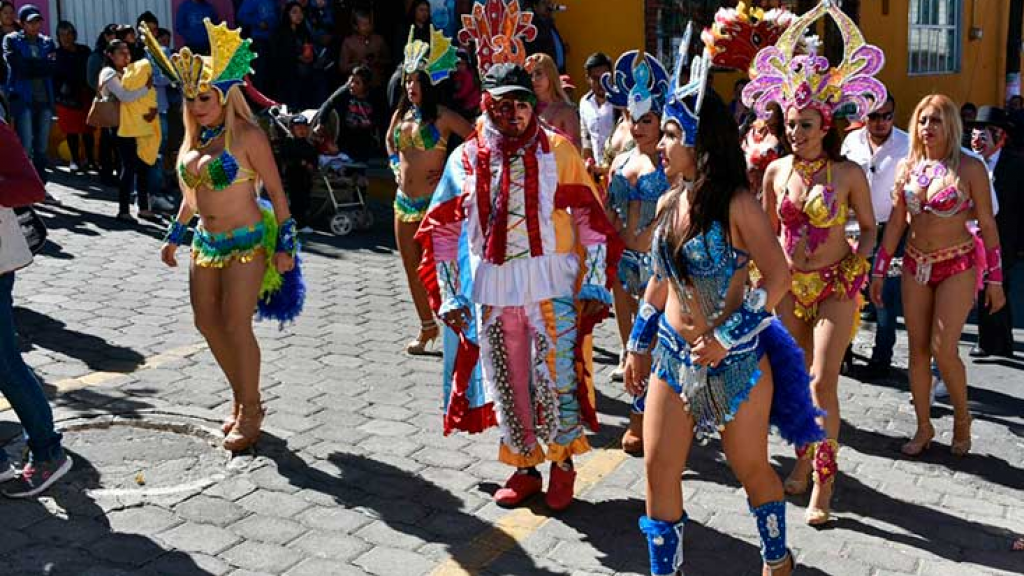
808,168
208,135
927,170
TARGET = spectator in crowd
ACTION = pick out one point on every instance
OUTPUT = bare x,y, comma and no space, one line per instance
553,104
155,172
737,108
320,19
8,24
549,40
298,162
108,145
259,20
73,95
31,59
968,111
188,23
419,19
878,148
148,21
134,172
297,83
19,386
597,115
989,136
357,133
1015,113
466,96
365,47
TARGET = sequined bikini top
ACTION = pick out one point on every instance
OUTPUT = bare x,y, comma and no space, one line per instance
710,262
821,212
647,190
217,174
425,136
950,201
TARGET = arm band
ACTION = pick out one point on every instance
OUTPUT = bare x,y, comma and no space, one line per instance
994,263
746,322
882,261
287,237
396,165
645,329
176,232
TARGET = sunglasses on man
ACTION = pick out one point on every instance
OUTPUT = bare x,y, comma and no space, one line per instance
884,116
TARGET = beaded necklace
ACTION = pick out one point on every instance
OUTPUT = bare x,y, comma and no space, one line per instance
208,135
808,168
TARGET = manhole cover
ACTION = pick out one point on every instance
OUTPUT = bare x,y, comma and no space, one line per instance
155,454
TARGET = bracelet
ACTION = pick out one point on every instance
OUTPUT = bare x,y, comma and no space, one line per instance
746,322
176,232
882,261
396,164
645,329
994,262
287,237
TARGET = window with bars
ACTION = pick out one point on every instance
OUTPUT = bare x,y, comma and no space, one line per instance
934,40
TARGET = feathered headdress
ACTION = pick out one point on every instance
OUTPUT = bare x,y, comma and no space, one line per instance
685,99
739,33
639,84
437,58
230,61
807,81
499,30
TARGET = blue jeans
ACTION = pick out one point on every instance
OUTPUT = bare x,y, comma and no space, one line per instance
33,124
21,388
885,327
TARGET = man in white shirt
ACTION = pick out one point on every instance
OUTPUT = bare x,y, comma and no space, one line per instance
878,148
597,115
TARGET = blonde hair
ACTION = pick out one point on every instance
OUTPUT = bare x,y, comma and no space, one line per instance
547,66
952,126
236,112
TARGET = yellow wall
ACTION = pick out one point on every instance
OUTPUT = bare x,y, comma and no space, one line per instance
609,26
982,76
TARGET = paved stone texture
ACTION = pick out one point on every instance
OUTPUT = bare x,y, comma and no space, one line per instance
354,476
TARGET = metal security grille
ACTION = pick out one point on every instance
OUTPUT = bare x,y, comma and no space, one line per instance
934,39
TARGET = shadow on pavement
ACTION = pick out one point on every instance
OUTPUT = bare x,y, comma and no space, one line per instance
52,334
80,539
402,500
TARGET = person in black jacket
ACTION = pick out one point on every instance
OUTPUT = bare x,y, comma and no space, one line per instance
296,81
989,137
298,163
359,116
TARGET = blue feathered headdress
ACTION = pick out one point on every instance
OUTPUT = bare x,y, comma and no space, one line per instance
684,100
639,84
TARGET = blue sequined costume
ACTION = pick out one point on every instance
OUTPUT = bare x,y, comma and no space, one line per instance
635,267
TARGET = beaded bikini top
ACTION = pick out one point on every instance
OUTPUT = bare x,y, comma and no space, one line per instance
217,174
821,212
710,263
425,136
948,202
647,190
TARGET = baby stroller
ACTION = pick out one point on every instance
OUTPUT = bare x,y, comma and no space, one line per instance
338,195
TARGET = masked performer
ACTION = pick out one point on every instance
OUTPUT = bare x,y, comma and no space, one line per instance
638,86
244,250
517,251
721,362
418,146
808,196
937,191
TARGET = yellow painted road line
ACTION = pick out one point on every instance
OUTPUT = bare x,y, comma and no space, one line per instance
100,378
516,526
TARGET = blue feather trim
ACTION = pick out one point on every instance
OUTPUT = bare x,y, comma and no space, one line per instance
793,411
595,292
285,304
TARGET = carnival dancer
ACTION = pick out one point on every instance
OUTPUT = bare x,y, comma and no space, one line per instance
417,145
808,197
638,86
938,189
244,250
721,362
517,256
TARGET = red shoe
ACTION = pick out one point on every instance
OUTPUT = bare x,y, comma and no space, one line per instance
560,488
518,488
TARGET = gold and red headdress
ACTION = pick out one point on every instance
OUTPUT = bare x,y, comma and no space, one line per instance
499,30
739,33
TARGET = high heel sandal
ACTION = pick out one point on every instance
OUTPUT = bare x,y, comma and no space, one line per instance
788,562
229,421
961,448
826,466
794,485
247,427
918,444
429,332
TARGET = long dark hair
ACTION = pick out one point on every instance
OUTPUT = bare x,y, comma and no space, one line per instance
429,98
721,175
101,40
832,145
108,52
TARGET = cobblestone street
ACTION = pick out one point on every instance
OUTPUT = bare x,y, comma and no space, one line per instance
353,475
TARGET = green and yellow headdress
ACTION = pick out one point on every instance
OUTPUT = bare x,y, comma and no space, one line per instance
229,62
437,58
